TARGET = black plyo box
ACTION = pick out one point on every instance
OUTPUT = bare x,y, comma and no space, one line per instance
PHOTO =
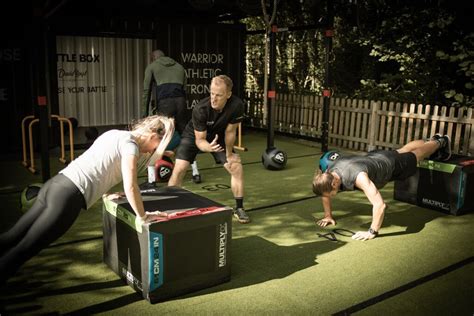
184,252
446,186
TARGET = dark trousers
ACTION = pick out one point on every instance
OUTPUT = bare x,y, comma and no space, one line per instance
177,109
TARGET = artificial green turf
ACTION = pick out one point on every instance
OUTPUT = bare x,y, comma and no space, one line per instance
280,265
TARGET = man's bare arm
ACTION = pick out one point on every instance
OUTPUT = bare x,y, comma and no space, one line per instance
204,145
378,205
327,207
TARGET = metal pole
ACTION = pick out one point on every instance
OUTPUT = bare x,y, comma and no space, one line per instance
272,87
328,34
39,57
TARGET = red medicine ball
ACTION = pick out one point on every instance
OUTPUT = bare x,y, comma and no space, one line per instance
164,168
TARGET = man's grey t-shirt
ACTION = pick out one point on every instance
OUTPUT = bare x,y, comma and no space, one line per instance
379,166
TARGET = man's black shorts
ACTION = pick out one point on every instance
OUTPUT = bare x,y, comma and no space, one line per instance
187,150
405,165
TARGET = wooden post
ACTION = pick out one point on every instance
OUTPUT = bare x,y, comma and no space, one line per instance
470,116
373,130
239,138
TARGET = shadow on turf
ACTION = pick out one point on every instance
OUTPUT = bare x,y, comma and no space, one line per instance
108,305
7,305
413,218
257,260
254,260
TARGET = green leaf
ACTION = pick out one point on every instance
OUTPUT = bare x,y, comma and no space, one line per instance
449,94
440,54
459,97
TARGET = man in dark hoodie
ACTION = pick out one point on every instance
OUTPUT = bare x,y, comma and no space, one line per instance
169,77
170,80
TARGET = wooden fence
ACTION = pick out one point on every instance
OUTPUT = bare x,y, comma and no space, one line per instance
365,125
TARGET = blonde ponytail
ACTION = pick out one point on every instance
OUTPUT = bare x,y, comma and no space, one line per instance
166,136
162,125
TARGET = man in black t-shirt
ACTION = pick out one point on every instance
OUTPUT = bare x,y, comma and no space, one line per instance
370,173
213,129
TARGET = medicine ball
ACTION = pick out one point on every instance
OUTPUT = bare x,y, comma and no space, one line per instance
327,160
274,159
91,133
163,168
28,196
174,142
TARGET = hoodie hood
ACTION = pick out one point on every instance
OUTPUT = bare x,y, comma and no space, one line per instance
166,61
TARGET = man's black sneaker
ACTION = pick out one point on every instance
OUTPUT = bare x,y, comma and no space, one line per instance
436,137
147,186
197,178
241,216
443,153
445,149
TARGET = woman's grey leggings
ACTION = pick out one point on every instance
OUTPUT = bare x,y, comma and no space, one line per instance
57,206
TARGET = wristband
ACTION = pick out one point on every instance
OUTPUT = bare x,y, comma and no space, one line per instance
373,232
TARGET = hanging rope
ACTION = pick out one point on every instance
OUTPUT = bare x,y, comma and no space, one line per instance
265,15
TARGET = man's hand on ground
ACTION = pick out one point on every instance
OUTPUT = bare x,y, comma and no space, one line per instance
326,221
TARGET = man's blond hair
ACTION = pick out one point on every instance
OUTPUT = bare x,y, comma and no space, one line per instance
223,79
322,182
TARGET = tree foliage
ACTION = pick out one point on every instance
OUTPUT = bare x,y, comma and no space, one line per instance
299,53
418,52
